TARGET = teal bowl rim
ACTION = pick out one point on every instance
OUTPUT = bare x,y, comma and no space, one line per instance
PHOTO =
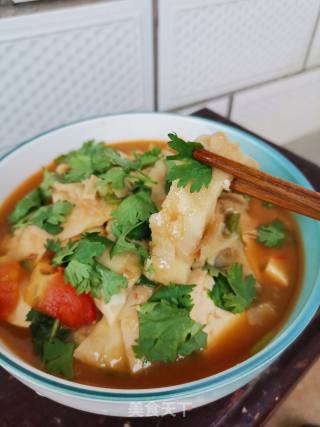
220,380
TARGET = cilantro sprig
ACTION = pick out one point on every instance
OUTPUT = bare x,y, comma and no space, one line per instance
146,159
272,235
98,159
131,223
187,170
166,330
51,217
25,206
233,291
83,270
51,343
45,187
29,211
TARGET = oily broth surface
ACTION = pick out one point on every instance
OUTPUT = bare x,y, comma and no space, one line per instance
236,344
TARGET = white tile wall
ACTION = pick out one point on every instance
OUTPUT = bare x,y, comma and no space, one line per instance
314,55
72,64
220,106
283,110
211,47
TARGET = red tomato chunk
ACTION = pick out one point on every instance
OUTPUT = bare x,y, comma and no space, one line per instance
62,302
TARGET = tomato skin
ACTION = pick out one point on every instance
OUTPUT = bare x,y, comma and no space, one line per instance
62,302
10,277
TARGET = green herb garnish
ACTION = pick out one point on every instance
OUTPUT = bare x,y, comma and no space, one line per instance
166,330
50,343
25,206
45,187
233,291
51,217
272,235
187,169
143,280
82,269
131,223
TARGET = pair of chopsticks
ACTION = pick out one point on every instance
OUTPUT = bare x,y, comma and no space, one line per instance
264,186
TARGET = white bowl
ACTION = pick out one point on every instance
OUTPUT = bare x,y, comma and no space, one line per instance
30,156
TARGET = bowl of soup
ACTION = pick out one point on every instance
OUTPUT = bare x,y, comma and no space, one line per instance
131,274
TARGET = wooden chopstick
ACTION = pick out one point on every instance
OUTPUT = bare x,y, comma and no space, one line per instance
264,186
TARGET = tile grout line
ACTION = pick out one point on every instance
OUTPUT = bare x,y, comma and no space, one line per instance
155,13
231,93
313,34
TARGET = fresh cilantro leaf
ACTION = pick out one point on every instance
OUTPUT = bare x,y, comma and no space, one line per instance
49,340
81,260
232,291
78,274
115,176
143,280
90,245
130,222
272,235
110,282
141,232
220,289
45,187
80,168
83,271
212,270
184,149
98,159
58,357
233,222
148,158
41,326
166,331
25,206
123,244
62,254
178,295
196,340
53,246
50,217
140,180
187,170
191,171
244,289
133,211
91,159
100,162
116,159
142,252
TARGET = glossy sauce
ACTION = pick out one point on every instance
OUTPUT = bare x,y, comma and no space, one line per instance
235,346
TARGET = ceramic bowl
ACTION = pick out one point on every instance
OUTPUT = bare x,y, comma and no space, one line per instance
31,155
